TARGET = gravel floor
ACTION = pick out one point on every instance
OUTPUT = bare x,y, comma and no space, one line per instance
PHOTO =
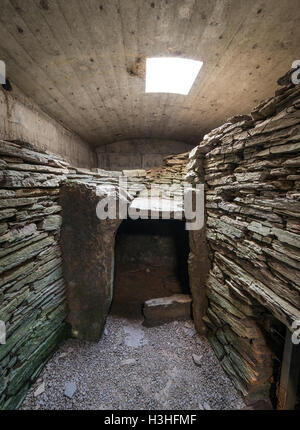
134,367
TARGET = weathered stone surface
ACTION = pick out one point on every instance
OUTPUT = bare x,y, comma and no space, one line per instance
14,150
277,305
223,303
17,179
264,110
86,242
52,222
13,260
37,168
21,375
252,201
259,228
134,173
287,237
217,347
70,389
32,295
165,309
198,267
7,213
229,297
3,227
32,289
15,202
18,234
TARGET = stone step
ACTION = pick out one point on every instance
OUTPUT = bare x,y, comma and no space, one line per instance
165,309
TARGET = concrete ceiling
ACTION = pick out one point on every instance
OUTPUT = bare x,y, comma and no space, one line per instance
73,58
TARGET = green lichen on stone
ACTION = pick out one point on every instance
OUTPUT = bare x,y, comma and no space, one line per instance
41,331
21,334
21,375
14,402
9,307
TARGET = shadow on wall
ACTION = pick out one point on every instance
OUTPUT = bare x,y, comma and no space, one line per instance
22,121
138,153
150,262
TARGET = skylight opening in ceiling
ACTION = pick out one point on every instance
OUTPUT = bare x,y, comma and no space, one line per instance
171,75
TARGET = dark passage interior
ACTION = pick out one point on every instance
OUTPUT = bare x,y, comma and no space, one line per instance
150,262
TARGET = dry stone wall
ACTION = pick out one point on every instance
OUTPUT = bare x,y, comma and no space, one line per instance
33,289
32,294
250,167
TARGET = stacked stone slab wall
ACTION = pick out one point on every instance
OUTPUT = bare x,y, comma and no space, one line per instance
33,293
32,287
251,170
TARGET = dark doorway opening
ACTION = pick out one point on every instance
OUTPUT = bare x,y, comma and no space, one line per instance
150,262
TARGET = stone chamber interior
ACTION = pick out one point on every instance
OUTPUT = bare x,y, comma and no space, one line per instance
150,262
106,312
68,277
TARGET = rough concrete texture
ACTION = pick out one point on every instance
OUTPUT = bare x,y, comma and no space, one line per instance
80,66
134,367
21,120
138,153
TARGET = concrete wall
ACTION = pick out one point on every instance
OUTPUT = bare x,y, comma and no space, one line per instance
138,153
21,120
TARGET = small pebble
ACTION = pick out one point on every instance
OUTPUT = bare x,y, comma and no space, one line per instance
70,389
40,390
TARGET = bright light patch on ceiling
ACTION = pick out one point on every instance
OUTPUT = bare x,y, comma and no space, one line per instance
171,75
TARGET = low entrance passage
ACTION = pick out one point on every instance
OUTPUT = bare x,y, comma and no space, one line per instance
150,262
167,366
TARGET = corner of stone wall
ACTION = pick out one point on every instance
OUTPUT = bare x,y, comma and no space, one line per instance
32,286
250,166
32,293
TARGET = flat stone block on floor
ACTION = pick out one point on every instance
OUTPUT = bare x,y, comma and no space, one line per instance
165,309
